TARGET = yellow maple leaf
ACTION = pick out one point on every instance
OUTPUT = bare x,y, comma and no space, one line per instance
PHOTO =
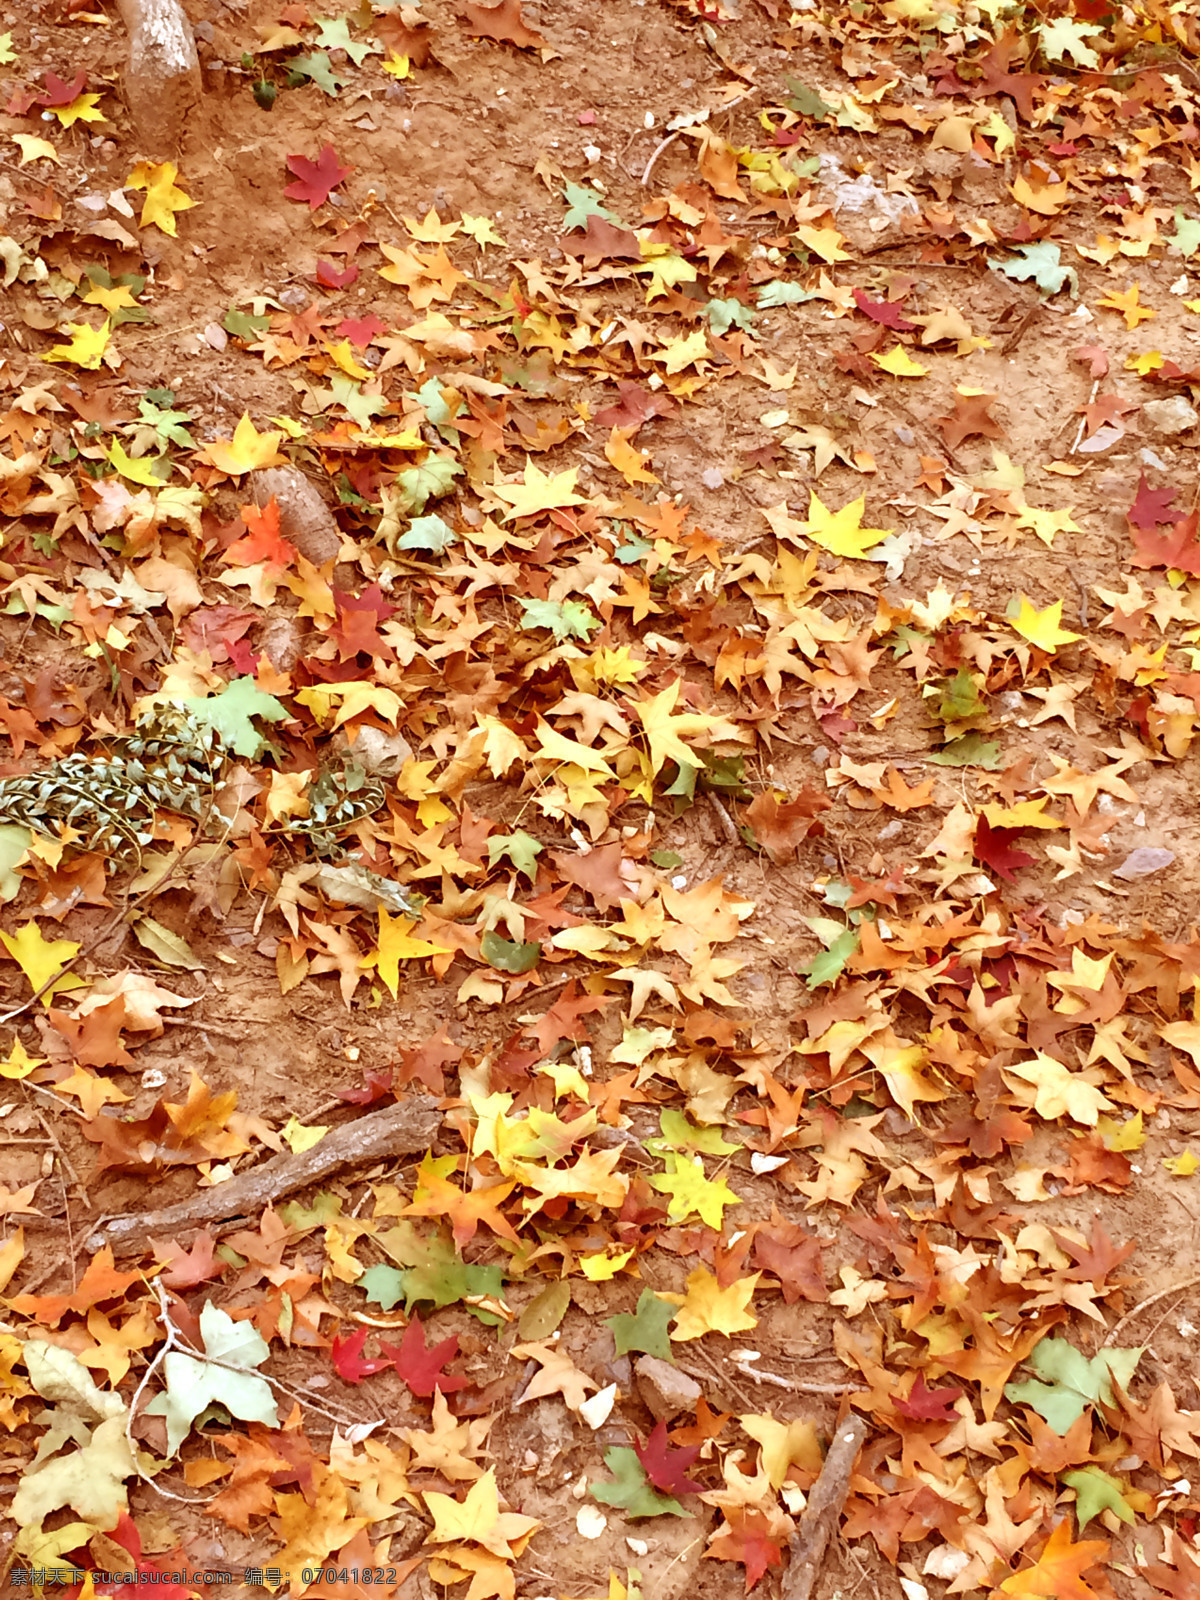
685,351
12,1253
783,1445
1149,360
841,532
665,732
431,229
34,149
91,1090
397,66
86,348
478,1518
1042,628
899,363
396,945
1046,199
81,109
20,1063
707,1308
1046,523
163,197
538,491
1181,1166
824,242
247,450
40,959
1128,304
631,463
1058,1091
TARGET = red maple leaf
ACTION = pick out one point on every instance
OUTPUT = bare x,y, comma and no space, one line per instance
361,330
315,179
357,627
348,1360
666,1467
420,1365
58,93
1179,548
793,1254
165,1573
994,848
928,1405
887,312
426,1062
376,1085
95,1039
562,1021
746,1537
329,277
636,405
1094,357
1152,507
184,1269
972,416
264,542
217,629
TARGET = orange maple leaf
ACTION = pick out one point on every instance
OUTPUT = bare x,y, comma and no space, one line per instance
1057,1573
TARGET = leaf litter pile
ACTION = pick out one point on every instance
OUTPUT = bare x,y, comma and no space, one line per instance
727,473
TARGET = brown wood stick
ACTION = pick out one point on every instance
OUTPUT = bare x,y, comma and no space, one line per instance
400,1129
825,1504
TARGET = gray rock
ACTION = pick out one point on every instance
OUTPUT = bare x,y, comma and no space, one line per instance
1140,863
665,1390
304,518
1170,417
378,753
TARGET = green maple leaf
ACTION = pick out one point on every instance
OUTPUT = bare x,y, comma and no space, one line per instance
645,1329
431,1272
506,956
195,1383
317,68
429,533
584,203
1043,263
241,325
782,293
829,964
692,1194
1095,1492
805,100
960,700
521,848
1072,1381
428,481
566,619
231,715
680,1133
335,35
725,314
1062,38
1187,234
349,394
971,750
630,1489
383,1284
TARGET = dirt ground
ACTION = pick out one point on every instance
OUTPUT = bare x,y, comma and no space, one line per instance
283,1002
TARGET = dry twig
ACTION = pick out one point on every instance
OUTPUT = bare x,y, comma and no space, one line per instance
824,1507
400,1129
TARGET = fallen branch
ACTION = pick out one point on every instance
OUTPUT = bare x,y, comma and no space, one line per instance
824,1507
400,1129
1144,1305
